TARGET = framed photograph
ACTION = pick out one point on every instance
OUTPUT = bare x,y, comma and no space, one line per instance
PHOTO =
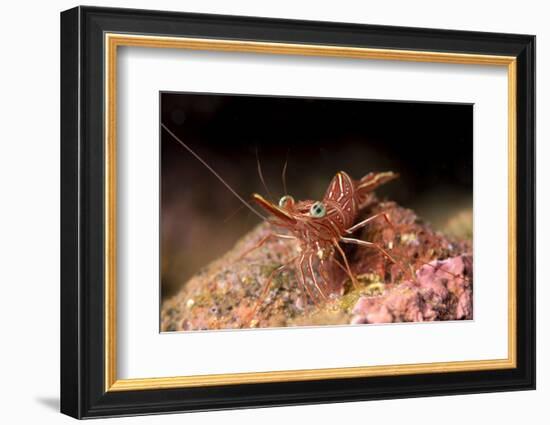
261,212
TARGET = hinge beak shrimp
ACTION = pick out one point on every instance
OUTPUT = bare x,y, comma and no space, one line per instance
319,227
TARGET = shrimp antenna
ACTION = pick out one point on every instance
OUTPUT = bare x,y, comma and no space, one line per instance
203,162
283,175
262,175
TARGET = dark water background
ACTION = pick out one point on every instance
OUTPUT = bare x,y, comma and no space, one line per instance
429,144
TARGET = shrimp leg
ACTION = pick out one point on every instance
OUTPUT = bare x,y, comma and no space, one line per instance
346,262
314,278
324,274
379,248
303,282
265,288
262,241
368,220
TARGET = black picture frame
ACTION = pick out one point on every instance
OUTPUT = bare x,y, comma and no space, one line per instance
83,392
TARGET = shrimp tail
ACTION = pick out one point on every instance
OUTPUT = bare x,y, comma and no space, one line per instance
370,182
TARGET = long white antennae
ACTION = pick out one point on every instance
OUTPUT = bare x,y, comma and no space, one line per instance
283,175
261,174
192,152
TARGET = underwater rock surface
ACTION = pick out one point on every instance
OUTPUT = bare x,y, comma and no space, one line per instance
432,279
440,292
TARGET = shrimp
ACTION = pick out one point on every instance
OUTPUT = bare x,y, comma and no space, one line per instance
319,227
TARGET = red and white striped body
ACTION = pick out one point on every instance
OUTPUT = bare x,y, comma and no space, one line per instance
343,200
319,226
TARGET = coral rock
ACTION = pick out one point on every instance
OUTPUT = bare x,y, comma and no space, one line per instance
442,290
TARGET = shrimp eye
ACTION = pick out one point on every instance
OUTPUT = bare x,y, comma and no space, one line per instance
285,201
318,210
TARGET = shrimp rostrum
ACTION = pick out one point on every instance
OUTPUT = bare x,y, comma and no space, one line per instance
319,228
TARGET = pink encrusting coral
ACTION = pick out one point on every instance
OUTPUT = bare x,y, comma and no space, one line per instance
430,279
442,290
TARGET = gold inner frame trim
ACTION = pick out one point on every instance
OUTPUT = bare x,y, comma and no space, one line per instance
113,41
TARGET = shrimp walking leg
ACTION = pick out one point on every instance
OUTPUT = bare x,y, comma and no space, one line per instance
346,262
262,241
265,289
380,249
314,278
303,281
368,220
